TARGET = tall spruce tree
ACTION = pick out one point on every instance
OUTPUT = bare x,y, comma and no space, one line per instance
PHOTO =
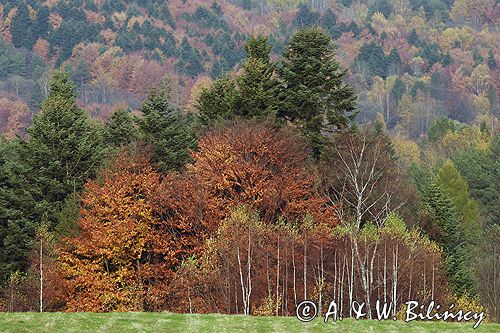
64,149
313,94
217,102
450,180
257,85
477,167
441,209
17,226
168,131
120,130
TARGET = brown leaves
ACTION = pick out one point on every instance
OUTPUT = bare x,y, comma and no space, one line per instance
258,165
135,230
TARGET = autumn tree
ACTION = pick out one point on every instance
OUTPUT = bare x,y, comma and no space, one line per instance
259,165
133,235
360,175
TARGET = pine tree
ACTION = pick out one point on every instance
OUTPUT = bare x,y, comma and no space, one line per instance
313,94
17,225
477,168
217,102
41,25
189,59
258,48
168,131
442,211
413,38
257,85
467,216
120,129
398,89
63,149
467,208
372,55
492,64
20,27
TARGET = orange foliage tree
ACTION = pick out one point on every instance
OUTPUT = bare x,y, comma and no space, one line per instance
133,235
261,166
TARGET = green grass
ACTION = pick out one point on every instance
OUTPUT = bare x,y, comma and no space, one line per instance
213,323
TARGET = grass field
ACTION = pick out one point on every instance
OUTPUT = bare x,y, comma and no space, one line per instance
177,323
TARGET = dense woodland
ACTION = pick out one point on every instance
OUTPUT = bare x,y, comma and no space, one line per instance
242,156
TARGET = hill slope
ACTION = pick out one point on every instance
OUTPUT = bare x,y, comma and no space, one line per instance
404,57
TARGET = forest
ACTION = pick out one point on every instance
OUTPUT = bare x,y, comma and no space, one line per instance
239,157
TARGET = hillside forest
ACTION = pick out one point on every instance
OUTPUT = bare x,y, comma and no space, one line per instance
242,156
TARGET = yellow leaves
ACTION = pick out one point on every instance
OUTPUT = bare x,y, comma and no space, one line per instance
467,137
407,150
119,17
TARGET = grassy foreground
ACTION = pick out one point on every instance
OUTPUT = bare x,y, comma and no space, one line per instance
178,323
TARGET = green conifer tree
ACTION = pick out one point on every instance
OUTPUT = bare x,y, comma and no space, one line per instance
64,148
168,131
120,130
313,94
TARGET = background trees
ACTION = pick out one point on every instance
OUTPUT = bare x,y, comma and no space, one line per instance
252,188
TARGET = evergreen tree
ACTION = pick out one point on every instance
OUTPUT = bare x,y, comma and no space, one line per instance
17,225
258,48
41,25
217,102
440,207
492,64
394,61
467,217
189,59
413,38
169,132
305,16
63,149
20,27
257,85
372,55
495,161
440,127
120,130
481,170
329,22
450,180
313,94
169,46
398,89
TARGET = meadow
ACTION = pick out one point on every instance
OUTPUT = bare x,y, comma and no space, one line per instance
181,323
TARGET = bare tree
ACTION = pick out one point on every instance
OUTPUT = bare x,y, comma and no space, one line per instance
360,176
